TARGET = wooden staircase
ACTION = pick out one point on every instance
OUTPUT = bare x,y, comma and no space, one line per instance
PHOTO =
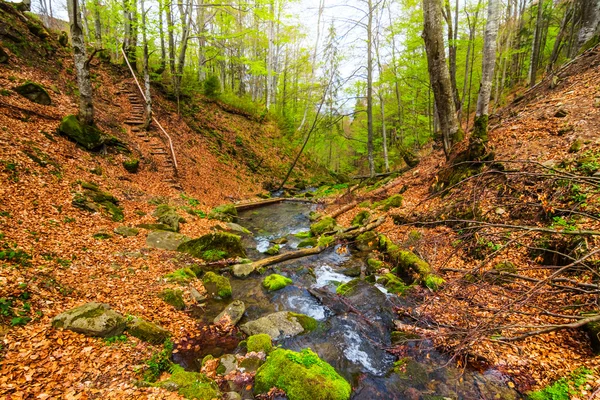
151,142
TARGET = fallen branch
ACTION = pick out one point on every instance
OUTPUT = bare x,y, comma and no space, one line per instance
260,203
551,328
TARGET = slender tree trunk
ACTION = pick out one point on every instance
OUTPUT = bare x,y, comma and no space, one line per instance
537,40
97,24
558,43
370,151
479,138
86,105
146,71
452,53
161,31
171,39
186,20
84,20
439,76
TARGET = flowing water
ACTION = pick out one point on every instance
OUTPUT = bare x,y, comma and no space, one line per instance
354,333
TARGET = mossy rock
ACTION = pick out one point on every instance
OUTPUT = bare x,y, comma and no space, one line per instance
373,265
275,282
279,325
91,319
126,231
434,282
181,276
89,137
346,289
392,202
225,213
273,250
173,297
191,385
361,218
131,165
147,331
406,261
367,241
260,342
63,39
401,337
575,146
326,224
325,241
162,239
101,235
228,244
217,285
301,376
308,242
34,92
168,216
156,227
393,284
414,372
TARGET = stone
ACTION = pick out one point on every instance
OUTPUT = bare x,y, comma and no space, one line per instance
367,241
281,240
326,224
275,282
232,396
251,362
561,113
91,319
242,270
225,213
216,285
89,137
301,375
273,250
198,298
126,231
34,92
258,343
166,240
227,364
147,331
214,246
233,227
191,385
308,242
231,315
131,165
278,325
361,218
173,297
168,216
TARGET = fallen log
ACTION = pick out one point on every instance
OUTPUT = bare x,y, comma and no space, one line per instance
260,203
243,270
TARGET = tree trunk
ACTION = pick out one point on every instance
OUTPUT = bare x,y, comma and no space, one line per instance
370,154
146,71
537,40
558,43
479,138
161,30
97,24
171,39
452,52
439,76
86,105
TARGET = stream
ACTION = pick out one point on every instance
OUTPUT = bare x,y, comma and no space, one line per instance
354,332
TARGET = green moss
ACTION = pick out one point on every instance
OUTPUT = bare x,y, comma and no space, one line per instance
191,385
260,342
325,241
506,266
346,289
367,241
207,358
309,324
385,243
213,255
34,92
275,282
132,165
217,285
565,387
374,265
115,212
168,215
227,243
433,282
301,376
182,275
407,260
326,224
225,213
361,218
393,284
273,250
303,235
159,362
101,235
86,136
391,202
309,242
173,297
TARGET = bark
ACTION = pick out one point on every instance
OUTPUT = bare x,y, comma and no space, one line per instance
86,105
562,33
452,30
370,154
163,50
97,24
439,76
146,71
186,20
171,39
201,31
537,41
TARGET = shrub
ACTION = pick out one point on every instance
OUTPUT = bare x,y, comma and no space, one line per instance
212,86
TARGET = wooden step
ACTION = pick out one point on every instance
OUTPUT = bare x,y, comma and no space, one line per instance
154,153
134,122
136,129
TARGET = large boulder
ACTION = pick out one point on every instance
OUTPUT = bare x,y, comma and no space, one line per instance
301,376
34,92
168,216
86,136
367,241
280,325
147,331
165,240
231,315
91,319
225,213
214,246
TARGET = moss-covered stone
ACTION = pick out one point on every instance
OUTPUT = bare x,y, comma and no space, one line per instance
434,282
308,323
228,244
393,284
391,202
147,331
575,146
308,242
275,282
34,92
91,319
361,218
182,275
260,342
593,331
126,231
326,224
367,241
301,376
373,265
173,297
225,213
273,250
86,136
217,285
191,385
346,289
325,241
132,165
406,261
168,216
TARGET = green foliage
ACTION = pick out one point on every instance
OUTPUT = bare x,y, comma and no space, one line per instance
212,86
433,282
563,388
115,339
173,297
182,275
214,255
131,165
562,224
159,362
275,282
326,224
191,385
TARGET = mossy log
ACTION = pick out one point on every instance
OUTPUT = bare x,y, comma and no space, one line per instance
260,203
